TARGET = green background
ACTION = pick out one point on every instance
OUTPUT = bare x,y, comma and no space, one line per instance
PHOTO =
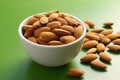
16,65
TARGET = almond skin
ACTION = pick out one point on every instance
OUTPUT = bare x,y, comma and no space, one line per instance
78,31
54,24
55,42
67,39
62,21
91,51
92,37
104,39
97,30
68,28
53,16
100,47
108,23
90,23
90,44
44,20
98,64
112,36
48,36
106,32
89,57
114,47
32,20
116,41
105,56
32,39
75,72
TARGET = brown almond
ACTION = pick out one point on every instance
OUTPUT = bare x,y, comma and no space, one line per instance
118,32
53,16
61,32
44,20
38,16
26,27
90,44
32,39
72,21
98,64
50,12
108,23
68,28
37,24
92,37
55,42
114,47
31,20
100,47
106,32
75,72
116,41
112,36
42,41
86,39
104,39
54,24
91,51
78,31
87,26
97,30
42,29
67,39
48,36
90,23
62,21
105,56
89,57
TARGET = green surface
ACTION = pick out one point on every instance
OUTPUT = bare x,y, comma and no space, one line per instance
16,65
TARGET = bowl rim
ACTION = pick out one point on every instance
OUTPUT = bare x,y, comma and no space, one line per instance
50,46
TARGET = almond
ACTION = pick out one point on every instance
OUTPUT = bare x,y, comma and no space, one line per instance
50,12
48,36
86,39
42,29
91,51
114,47
104,39
87,26
90,23
75,72
68,28
72,21
92,37
53,16
112,36
108,23
116,41
37,24
106,32
32,39
105,56
89,57
90,44
67,39
42,41
26,27
38,16
98,64
78,31
100,47
55,42
61,32
44,20
62,21
54,24
97,30
31,20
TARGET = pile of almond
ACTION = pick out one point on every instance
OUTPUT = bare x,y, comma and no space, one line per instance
52,28
96,41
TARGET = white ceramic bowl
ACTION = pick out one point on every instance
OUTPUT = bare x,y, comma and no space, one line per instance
52,56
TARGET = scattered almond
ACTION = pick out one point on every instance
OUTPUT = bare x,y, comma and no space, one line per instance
91,51
90,23
114,47
75,72
116,41
100,47
112,36
98,64
105,56
108,23
89,57
106,32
